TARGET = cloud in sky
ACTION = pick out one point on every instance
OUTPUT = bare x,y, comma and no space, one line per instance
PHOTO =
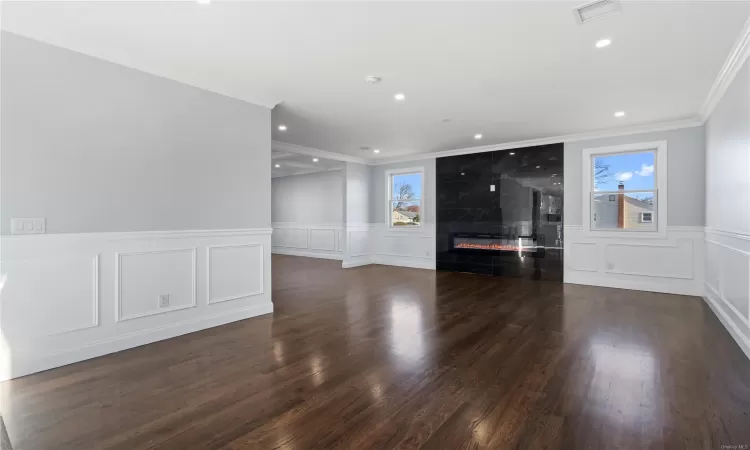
623,176
645,170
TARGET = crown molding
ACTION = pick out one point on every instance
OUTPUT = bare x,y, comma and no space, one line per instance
732,65
309,151
638,129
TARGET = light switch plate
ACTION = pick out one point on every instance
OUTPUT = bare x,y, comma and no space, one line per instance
164,301
28,226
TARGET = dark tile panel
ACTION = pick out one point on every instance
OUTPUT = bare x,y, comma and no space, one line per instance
527,200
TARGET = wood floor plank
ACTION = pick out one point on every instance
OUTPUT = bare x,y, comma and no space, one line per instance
390,357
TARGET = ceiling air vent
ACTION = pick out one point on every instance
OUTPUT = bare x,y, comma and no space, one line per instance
596,10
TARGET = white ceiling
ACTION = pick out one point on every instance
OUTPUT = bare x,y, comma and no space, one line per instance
298,164
511,70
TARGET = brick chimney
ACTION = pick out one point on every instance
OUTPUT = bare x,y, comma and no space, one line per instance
621,206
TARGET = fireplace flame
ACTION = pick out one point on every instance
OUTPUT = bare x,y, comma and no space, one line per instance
502,247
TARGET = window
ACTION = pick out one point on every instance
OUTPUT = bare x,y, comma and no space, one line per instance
626,189
405,198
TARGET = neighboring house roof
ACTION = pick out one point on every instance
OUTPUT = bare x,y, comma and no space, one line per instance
629,200
639,203
408,214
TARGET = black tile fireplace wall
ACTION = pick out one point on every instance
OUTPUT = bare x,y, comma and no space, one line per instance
527,203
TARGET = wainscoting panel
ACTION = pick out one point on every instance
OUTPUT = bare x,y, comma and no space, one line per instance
407,248
69,297
323,239
340,240
672,265
296,238
63,292
358,244
234,272
138,291
278,237
651,260
582,256
727,289
310,240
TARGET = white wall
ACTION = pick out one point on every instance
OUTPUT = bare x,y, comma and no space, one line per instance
728,209
672,264
308,215
97,147
113,158
315,198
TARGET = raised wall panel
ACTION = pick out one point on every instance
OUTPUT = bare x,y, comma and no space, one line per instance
323,239
295,237
138,290
413,246
277,238
47,297
713,268
340,241
735,280
672,265
358,243
651,260
582,256
234,272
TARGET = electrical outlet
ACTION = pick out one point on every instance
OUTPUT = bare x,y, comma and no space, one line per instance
610,266
164,301
28,226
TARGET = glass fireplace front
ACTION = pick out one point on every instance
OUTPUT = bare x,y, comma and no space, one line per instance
498,243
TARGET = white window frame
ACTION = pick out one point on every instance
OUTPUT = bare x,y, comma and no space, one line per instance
660,187
389,197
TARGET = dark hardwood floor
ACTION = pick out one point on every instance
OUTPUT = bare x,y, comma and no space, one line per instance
388,357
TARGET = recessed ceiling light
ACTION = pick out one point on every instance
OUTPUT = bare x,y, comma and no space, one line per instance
512,153
400,97
376,151
282,127
620,114
601,43
315,159
277,165
203,2
477,136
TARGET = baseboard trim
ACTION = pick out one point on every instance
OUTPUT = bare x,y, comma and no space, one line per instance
355,263
730,325
41,363
306,254
404,261
678,287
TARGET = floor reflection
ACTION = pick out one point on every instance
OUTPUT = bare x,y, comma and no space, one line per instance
407,341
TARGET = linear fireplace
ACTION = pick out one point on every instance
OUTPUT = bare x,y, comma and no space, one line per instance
496,243
500,213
